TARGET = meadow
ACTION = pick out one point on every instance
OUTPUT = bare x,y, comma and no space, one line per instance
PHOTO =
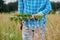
10,31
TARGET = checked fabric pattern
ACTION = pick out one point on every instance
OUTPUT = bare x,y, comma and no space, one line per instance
33,7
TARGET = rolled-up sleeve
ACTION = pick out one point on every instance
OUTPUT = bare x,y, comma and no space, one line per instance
47,8
20,6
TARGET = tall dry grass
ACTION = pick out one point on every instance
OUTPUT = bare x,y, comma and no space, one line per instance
53,27
10,31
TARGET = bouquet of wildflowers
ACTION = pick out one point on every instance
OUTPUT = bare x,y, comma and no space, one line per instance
23,17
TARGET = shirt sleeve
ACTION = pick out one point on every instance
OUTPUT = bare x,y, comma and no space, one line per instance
20,6
47,8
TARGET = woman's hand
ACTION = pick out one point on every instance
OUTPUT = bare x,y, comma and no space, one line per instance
37,16
32,17
21,26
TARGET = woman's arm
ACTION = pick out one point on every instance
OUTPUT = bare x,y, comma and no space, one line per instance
20,6
20,10
47,9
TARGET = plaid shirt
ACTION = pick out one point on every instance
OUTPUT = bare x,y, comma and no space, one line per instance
34,7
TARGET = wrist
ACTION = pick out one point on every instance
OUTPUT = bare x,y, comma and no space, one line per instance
40,13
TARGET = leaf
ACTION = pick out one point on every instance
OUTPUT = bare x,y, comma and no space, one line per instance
38,17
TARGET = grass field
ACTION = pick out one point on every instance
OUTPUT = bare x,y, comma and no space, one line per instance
10,31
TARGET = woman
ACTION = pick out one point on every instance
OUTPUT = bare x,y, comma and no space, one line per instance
34,7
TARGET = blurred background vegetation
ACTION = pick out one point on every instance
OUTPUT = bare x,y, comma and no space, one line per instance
13,6
8,7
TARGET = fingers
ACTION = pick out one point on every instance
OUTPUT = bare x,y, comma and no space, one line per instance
32,17
21,26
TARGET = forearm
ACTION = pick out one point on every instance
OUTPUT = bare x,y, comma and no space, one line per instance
47,9
20,6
